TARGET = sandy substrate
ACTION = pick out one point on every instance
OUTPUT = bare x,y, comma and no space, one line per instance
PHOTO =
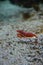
14,51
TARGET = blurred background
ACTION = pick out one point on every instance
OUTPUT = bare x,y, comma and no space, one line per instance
17,7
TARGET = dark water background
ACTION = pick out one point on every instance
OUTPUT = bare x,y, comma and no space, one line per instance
11,13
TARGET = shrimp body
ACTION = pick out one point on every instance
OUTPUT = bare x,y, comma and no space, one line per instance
26,34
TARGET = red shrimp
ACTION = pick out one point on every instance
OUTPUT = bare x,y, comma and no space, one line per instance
25,34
